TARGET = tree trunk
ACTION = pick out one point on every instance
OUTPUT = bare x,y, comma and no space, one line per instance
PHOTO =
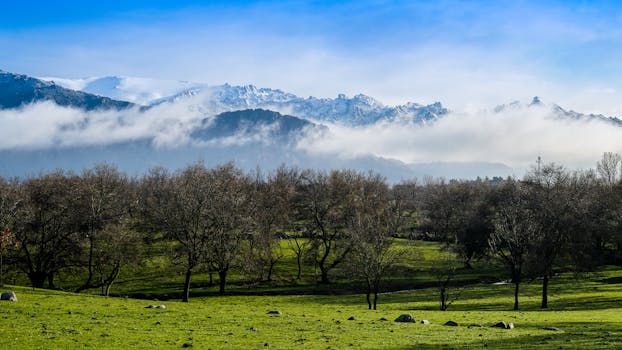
89,280
467,264
516,285
107,290
51,284
545,292
186,295
37,279
222,275
324,277
270,269
443,299
298,258
111,278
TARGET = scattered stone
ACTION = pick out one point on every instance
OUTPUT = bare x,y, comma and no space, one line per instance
160,306
265,344
405,318
500,324
425,322
10,296
554,329
186,345
383,319
451,323
475,325
274,312
150,306
351,318
504,325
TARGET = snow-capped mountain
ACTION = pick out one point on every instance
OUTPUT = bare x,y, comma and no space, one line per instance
141,91
555,111
178,123
353,111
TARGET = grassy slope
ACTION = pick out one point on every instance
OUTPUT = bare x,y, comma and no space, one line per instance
159,276
589,311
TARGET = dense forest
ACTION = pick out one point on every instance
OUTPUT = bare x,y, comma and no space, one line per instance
222,219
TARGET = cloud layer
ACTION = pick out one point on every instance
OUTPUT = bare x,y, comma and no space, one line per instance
515,137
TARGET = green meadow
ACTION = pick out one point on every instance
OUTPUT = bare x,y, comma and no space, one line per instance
586,310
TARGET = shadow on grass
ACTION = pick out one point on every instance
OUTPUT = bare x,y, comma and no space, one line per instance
612,280
573,335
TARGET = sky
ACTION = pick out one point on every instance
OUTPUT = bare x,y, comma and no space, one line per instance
468,55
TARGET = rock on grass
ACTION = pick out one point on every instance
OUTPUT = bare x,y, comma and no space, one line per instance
405,318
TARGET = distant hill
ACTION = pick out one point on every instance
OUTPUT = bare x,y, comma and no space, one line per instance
17,90
253,121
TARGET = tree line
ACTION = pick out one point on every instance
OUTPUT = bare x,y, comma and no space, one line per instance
221,219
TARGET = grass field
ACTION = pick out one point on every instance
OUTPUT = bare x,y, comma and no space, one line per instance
159,277
588,311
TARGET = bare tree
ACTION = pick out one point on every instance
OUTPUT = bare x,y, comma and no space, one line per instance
229,218
609,168
117,246
375,219
299,245
515,232
45,227
105,199
179,206
323,206
458,213
445,273
273,199
552,196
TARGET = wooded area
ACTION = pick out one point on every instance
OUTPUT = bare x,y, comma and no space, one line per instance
222,219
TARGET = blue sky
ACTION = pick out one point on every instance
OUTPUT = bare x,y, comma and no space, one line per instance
466,54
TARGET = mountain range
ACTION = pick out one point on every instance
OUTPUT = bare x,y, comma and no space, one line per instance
250,125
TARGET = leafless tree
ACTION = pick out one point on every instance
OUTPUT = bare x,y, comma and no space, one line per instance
324,208
458,213
375,219
45,227
116,246
515,232
179,205
552,197
445,273
609,168
105,198
272,201
229,218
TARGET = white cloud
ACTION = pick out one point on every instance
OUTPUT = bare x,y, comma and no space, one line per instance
514,137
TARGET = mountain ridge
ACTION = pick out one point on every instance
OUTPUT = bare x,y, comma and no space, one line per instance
17,90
